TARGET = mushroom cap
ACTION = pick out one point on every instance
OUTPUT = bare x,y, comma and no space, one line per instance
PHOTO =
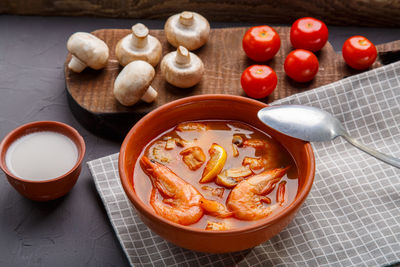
190,36
182,75
126,52
133,81
89,49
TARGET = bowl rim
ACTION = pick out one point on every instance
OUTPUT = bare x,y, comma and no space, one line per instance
143,208
40,124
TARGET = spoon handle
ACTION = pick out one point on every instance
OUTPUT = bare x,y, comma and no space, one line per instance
383,157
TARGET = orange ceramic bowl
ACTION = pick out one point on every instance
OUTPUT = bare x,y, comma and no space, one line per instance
47,189
209,107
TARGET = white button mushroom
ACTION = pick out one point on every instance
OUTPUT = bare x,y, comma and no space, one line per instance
182,68
138,45
188,29
86,50
133,83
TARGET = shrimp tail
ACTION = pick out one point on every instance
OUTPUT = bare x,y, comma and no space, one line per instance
167,210
215,208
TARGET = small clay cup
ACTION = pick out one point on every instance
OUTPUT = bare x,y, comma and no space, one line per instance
48,189
211,107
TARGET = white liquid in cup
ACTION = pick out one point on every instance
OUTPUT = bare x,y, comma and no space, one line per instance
41,156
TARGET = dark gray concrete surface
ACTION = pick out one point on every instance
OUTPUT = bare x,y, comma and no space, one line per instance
73,230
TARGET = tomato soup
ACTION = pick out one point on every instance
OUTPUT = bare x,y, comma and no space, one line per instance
217,158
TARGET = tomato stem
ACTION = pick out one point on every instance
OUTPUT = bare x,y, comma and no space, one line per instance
362,42
263,34
259,71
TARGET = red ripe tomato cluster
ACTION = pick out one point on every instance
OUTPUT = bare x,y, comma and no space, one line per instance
260,43
307,35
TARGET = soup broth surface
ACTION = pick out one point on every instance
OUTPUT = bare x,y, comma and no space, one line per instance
221,133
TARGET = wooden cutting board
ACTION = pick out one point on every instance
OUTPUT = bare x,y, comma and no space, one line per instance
90,93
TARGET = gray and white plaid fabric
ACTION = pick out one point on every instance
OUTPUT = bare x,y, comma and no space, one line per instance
350,218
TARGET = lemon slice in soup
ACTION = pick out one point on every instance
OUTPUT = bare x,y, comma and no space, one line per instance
215,165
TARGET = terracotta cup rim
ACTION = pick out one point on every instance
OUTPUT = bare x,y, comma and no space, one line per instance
143,208
19,132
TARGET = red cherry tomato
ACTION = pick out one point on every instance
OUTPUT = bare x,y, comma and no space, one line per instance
359,53
261,43
301,65
308,33
258,81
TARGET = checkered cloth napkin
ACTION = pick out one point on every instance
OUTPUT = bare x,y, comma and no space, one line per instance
350,218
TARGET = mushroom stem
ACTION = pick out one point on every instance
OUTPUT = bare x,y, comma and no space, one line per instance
182,56
150,95
76,65
139,35
186,18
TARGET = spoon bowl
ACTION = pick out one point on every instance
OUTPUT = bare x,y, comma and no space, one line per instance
313,125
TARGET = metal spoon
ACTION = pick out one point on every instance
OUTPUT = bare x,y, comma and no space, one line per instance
313,125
